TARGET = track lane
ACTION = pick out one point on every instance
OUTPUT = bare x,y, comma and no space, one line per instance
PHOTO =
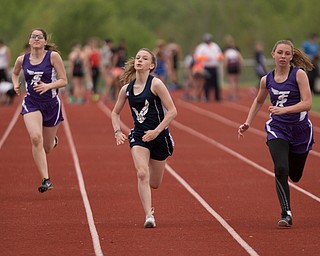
257,129
117,218
184,226
34,223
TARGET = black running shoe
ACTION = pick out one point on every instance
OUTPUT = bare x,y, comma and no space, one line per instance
56,141
286,220
46,185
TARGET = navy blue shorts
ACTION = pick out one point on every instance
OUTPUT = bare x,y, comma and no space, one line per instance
160,148
300,136
51,110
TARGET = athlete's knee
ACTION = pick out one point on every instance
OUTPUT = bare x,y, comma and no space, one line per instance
36,139
281,170
142,175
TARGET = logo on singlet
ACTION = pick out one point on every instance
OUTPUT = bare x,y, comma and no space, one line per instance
36,76
141,115
282,97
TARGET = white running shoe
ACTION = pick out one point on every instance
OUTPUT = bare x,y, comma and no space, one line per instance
286,220
150,220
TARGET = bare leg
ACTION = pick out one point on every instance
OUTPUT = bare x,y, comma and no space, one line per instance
49,134
141,156
33,122
42,140
156,172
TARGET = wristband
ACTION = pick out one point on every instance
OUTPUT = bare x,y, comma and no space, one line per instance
116,131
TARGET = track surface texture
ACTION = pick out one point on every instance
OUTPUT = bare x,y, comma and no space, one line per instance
217,197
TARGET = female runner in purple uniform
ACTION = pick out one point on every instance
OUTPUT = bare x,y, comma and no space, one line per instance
152,111
44,73
289,130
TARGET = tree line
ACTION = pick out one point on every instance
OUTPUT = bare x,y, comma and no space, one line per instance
142,22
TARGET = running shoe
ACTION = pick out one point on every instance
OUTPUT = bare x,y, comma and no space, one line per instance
46,185
286,220
56,141
150,220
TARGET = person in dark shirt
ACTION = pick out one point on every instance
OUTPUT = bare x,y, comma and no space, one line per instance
44,74
289,130
152,111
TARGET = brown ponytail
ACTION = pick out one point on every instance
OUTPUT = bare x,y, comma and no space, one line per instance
129,71
299,59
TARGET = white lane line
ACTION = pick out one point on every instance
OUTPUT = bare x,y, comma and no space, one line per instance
229,122
224,224
92,227
231,231
237,155
11,125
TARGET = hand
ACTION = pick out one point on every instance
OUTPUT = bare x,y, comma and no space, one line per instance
242,129
41,87
120,138
150,135
277,110
17,88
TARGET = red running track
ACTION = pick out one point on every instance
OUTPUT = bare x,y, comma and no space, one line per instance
217,198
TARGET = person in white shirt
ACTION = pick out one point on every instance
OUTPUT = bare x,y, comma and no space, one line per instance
213,58
5,57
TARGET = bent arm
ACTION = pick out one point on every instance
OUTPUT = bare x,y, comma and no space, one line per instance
255,107
159,89
58,65
115,116
306,97
16,74
258,101
305,94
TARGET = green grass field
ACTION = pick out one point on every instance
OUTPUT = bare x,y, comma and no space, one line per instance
316,103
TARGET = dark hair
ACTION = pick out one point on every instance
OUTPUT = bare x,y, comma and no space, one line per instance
48,46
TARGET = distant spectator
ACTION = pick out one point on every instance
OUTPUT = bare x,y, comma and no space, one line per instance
213,54
161,70
106,61
260,60
119,59
94,64
5,58
77,72
312,49
233,63
188,81
260,65
173,52
7,93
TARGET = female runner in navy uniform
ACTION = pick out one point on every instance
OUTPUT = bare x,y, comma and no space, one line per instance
152,111
44,73
289,130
